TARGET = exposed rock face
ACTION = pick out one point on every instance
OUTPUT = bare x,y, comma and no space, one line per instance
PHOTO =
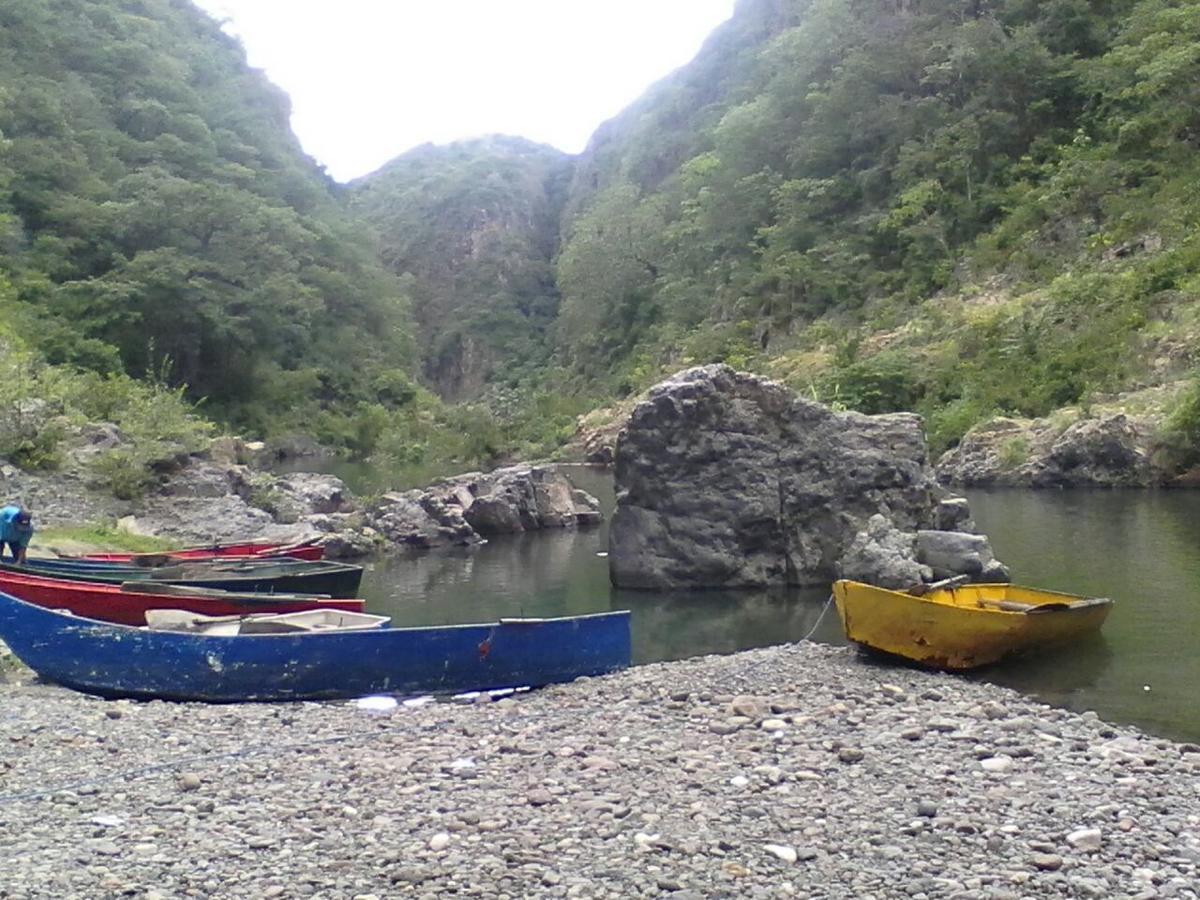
465,509
521,498
417,519
201,520
883,555
1106,452
728,480
1110,451
950,553
310,493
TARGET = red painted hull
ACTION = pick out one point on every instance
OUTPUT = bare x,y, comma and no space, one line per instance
109,603
248,550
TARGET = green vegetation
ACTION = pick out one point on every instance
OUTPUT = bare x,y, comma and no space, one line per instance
1180,436
473,229
104,536
152,424
961,208
157,215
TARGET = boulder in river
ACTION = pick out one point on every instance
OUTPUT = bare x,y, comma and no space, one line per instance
518,498
725,479
883,555
1112,450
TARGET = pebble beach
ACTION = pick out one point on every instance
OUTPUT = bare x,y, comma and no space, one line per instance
794,771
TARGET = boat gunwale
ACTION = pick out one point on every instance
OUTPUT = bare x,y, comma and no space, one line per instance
513,622
930,598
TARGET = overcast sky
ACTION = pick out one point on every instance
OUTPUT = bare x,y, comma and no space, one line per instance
370,79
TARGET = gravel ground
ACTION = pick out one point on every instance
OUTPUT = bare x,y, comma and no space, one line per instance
793,771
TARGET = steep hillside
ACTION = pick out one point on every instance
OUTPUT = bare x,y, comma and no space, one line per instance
474,229
963,207
157,217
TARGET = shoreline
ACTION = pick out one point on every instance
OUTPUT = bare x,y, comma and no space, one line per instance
797,770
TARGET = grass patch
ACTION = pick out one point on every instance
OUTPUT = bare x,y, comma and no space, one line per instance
106,537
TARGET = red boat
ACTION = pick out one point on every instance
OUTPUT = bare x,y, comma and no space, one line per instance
308,550
127,604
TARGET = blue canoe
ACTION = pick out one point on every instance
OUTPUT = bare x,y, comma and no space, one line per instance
124,661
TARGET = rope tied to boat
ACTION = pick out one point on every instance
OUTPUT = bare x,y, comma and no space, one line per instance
817,624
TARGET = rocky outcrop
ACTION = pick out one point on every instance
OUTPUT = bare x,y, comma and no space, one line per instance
1113,450
950,553
419,520
469,508
728,480
883,555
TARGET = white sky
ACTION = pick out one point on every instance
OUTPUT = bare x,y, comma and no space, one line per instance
370,79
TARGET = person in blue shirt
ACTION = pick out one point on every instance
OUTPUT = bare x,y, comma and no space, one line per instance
16,530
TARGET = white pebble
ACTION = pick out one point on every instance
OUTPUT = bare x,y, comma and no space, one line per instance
783,851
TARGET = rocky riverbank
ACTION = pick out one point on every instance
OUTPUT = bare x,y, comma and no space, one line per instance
221,493
792,771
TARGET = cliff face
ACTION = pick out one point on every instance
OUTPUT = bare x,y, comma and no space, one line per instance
473,228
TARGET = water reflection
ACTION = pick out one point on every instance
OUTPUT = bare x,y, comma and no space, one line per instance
1140,548
1063,676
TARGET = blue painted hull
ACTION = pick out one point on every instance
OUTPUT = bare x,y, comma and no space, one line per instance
122,661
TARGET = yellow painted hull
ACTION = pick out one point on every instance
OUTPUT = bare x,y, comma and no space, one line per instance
963,627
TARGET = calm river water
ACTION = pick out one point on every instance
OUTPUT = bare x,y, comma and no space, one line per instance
1141,548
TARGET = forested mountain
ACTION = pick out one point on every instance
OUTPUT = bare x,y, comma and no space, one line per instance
473,227
158,217
958,206
962,207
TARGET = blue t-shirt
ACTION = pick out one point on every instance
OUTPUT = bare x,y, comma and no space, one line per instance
12,531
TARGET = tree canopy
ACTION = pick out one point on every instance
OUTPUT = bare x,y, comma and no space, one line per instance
157,216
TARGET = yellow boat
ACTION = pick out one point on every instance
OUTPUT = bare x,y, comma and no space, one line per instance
960,626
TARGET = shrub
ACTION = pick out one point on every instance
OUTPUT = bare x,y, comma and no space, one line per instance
124,475
1179,437
1013,452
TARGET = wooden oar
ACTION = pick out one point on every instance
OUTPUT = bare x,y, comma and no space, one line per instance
920,590
1036,608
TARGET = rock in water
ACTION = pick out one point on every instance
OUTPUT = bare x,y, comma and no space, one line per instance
950,553
885,556
725,479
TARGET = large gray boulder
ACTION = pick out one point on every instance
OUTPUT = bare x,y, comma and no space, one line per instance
1112,450
885,556
518,498
419,520
308,493
725,479
950,553
1105,452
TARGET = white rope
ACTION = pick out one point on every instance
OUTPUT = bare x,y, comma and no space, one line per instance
817,625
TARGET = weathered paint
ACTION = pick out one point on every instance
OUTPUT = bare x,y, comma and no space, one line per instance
266,575
116,660
961,627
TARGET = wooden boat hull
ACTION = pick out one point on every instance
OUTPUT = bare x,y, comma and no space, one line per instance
963,627
287,576
109,603
306,550
118,661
